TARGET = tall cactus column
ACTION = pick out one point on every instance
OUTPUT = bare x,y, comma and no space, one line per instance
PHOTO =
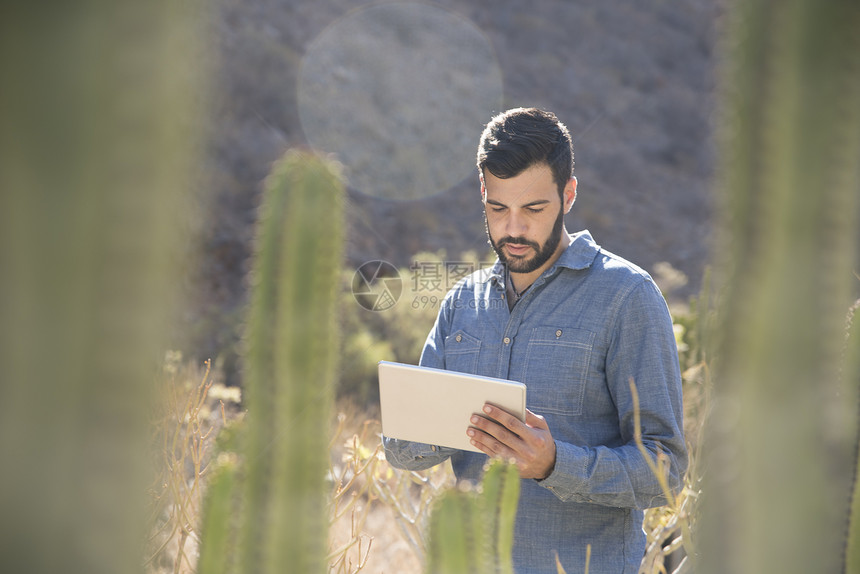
784,416
95,152
473,532
852,368
290,366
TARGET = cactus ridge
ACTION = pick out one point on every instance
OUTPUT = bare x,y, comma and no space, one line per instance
851,556
290,365
471,530
790,147
217,521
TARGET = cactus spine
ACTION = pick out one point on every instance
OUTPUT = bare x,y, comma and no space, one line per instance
780,433
473,532
290,365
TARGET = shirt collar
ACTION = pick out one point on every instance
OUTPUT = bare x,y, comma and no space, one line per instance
579,254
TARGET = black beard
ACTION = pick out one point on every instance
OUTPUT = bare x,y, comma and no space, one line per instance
542,253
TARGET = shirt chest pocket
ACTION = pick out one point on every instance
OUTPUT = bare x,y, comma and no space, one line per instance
556,369
461,352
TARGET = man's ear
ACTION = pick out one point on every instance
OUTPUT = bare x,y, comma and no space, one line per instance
483,191
569,194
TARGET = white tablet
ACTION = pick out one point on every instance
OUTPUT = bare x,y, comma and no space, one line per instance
433,406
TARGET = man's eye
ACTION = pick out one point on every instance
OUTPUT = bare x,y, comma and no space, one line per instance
534,209
497,209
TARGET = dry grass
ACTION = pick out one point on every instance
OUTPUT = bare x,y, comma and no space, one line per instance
670,529
184,426
378,513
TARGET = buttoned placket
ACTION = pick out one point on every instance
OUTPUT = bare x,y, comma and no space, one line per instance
563,314
515,319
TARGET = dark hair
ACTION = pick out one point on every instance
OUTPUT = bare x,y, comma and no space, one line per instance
520,138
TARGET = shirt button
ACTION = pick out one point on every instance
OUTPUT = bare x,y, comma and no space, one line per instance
458,338
507,340
558,334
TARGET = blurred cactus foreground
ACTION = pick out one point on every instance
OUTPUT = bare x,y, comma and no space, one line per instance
277,483
852,365
783,426
97,104
472,532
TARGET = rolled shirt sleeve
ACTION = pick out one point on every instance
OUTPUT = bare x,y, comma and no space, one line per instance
642,349
577,337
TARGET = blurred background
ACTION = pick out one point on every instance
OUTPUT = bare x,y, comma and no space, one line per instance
399,93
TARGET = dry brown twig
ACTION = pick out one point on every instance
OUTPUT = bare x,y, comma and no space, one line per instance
185,436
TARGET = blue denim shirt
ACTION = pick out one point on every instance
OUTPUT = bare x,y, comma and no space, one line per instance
589,324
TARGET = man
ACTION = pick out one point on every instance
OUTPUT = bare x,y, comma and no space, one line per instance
576,324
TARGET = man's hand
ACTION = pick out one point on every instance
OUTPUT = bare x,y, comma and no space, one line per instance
501,434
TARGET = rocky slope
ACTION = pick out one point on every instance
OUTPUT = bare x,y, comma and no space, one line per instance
402,90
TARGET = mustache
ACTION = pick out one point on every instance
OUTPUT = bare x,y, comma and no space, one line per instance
518,241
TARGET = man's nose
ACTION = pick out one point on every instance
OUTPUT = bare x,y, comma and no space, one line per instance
516,224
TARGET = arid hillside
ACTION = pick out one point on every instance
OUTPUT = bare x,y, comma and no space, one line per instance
399,92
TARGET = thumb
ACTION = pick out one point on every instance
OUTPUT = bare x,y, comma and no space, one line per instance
536,421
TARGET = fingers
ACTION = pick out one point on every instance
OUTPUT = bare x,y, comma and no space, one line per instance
505,418
514,424
502,434
489,445
499,433
536,421
496,437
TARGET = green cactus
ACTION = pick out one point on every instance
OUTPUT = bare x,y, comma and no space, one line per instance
473,532
501,492
852,363
290,366
218,551
782,429
94,161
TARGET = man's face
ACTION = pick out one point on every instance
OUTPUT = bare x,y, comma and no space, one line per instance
524,216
